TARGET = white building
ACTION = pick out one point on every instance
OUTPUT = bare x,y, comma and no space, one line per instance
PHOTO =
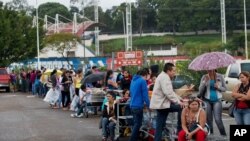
77,51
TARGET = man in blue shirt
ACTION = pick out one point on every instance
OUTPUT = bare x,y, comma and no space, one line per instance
139,96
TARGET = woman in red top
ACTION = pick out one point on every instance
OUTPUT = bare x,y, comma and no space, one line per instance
242,95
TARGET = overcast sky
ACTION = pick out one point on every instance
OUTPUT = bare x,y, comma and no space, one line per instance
105,4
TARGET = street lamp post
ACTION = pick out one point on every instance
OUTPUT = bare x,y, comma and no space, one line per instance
124,28
245,28
37,37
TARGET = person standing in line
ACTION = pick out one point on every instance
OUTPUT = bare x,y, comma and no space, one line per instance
109,80
164,100
139,97
23,76
241,93
66,82
13,80
77,81
125,81
213,84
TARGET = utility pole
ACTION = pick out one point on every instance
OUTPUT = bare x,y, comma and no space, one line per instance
84,46
96,29
37,37
245,28
129,26
223,22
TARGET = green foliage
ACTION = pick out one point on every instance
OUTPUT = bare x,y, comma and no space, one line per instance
237,44
18,5
17,37
118,44
62,43
182,68
132,69
51,9
201,38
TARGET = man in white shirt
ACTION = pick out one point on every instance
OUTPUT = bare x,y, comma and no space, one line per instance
164,100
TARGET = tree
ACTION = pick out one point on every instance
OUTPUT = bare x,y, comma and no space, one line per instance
62,43
18,40
51,9
147,14
18,5
73,10
1,4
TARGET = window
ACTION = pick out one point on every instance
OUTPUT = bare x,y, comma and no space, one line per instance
234,71
3,71
245,67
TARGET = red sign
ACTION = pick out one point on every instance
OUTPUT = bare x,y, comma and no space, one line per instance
128,62
129,55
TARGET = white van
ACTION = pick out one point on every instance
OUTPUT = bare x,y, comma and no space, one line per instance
232,77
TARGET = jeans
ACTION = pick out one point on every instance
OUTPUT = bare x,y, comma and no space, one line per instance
215,109
161,118
33,89
242,116
110,125
24,85
81,106
137,118
67,96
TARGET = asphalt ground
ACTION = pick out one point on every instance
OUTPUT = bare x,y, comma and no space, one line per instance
24,117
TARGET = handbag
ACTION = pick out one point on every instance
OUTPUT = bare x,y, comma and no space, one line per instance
231,109
201,94
196,125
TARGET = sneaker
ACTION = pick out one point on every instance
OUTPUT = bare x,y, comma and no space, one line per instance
73,115
80,116
90,112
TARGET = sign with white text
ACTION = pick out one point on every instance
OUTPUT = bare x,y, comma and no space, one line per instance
239,132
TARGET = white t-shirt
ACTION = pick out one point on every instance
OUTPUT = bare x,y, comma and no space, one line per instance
86,95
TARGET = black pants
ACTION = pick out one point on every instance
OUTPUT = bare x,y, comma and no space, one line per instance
67,95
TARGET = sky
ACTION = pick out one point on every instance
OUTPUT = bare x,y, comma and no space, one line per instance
105,4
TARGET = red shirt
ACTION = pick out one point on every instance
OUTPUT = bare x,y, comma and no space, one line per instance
241,105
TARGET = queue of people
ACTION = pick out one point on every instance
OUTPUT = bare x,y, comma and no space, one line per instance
193,122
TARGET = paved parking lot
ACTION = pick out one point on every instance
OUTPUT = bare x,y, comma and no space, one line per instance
27,118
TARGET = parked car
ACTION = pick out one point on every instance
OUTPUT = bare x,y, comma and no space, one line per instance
232,77
181,80
4,80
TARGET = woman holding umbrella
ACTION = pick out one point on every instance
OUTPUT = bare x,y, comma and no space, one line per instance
213,84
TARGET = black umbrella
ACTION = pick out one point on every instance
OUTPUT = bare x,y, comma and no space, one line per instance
94,77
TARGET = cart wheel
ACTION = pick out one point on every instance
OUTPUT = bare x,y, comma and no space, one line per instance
85,113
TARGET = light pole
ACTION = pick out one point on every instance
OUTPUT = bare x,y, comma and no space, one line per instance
37,38
124,28
245,27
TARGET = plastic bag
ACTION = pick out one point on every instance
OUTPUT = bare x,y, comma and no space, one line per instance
52,96
75,101
72,91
